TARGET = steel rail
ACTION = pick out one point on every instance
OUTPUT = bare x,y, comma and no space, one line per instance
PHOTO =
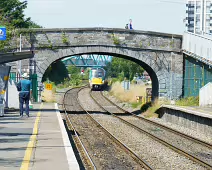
178,150
122,145
206,144
88,158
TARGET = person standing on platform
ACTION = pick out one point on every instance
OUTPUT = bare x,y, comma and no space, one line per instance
24,87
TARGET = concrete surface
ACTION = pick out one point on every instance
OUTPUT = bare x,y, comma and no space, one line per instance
196,118
15,133
52,149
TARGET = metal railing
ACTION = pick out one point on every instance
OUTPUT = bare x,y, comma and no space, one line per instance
87,60
198,46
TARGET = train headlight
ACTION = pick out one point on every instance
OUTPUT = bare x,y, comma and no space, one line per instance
103,81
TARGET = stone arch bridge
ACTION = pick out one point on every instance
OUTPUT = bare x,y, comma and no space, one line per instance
158,53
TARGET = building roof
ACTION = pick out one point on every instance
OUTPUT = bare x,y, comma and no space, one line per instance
9,57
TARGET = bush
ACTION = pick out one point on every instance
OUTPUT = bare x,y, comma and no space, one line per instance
136,104
150,109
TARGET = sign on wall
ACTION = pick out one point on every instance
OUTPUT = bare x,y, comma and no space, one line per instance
148,94
3,33
48,86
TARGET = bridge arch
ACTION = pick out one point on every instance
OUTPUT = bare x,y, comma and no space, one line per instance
148,60
159,53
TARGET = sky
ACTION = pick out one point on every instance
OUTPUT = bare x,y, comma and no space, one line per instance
147,15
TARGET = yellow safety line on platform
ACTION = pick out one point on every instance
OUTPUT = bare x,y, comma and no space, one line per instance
28,153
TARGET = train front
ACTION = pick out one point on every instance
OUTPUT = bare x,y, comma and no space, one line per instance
97,78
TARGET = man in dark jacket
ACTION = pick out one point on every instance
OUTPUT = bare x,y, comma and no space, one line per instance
24,87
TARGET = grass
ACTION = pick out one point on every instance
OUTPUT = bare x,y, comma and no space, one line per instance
48,96
136,104
127,95
116,40
149,109
188,101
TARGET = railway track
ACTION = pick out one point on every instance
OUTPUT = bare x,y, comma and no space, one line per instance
194,149
98,148
196,140
71,105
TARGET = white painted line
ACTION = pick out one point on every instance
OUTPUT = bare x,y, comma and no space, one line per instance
72,161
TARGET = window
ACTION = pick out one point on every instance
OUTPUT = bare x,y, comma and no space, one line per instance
197,23
207,23
198,3
207,30
191,3
191,15
197,30
191,22
208,3
198,9
190,9
208,9
191,29
208,17
198,17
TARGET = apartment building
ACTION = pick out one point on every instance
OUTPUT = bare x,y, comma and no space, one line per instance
199,16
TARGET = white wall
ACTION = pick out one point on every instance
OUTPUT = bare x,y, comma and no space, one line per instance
13,99
198,44
205,95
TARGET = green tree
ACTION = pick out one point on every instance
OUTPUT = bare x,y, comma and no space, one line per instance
73,70
121,68
56,73
13,12
12,17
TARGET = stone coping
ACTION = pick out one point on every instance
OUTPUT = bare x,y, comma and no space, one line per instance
198,112
99,29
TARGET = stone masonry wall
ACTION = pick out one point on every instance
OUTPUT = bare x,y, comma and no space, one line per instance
158,53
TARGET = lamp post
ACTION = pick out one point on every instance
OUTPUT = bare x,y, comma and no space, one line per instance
20,51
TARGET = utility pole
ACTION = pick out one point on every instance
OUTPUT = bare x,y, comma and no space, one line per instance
20,51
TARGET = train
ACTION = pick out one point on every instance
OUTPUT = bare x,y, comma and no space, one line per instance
97,78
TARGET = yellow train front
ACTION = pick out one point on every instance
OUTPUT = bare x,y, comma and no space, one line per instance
97,78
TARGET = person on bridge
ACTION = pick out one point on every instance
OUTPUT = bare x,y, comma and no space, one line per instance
24,87
131,28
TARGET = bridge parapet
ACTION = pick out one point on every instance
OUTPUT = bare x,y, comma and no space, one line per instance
141,40
198,46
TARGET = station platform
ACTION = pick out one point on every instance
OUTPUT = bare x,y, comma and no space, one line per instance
39,142
195,110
